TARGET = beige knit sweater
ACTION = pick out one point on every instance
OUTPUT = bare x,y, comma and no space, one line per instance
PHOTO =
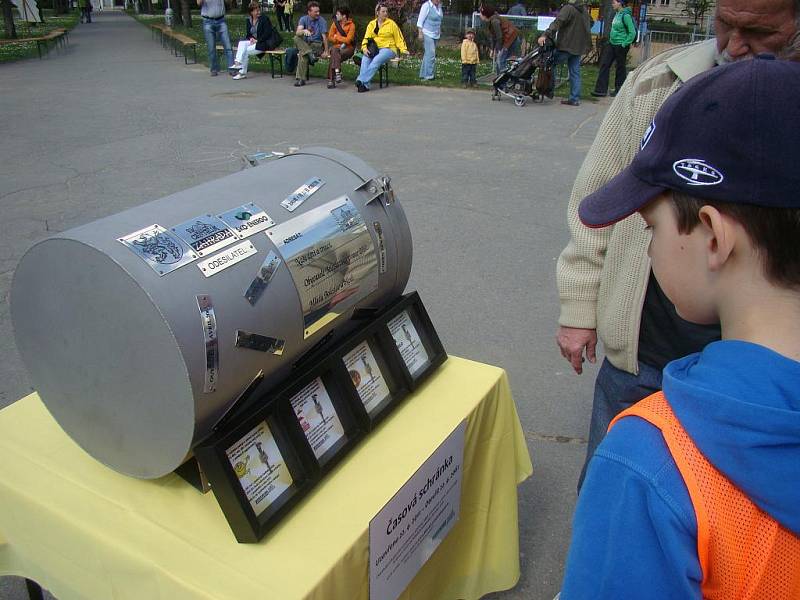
602,273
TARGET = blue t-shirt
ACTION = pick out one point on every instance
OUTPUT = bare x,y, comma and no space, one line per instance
318,27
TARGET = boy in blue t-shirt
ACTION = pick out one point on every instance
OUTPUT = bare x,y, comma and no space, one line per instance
660,514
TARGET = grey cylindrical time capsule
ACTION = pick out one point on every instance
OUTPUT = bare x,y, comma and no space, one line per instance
140,329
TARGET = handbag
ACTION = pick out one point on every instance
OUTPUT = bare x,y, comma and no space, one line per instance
372,48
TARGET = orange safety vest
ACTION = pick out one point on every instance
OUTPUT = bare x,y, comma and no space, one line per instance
744,553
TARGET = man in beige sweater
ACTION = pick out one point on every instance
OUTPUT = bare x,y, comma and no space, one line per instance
604,280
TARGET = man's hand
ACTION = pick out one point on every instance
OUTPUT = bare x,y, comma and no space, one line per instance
324,54
542,39
572,341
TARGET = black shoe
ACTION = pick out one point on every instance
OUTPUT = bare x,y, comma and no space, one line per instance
571,102
599,95
331,85
214,73
299,83
360,86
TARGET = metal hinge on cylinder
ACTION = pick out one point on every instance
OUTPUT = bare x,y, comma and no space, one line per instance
378,187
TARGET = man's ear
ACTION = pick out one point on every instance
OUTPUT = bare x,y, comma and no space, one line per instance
720,238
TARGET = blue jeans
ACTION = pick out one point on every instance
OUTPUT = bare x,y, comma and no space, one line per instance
501,56
211,29
614,391
574,65
370,66
426,69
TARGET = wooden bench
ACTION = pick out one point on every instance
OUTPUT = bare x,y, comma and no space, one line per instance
57,36
180,43
162,30
275,57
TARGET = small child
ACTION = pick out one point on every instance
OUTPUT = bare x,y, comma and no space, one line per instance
469,59
695,491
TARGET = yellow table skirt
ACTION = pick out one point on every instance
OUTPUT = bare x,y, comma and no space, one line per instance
84,531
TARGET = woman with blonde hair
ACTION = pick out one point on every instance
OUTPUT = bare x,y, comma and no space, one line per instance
382,42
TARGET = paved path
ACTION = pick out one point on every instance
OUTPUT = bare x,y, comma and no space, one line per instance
116,121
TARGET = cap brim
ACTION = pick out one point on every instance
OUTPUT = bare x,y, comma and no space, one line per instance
619,198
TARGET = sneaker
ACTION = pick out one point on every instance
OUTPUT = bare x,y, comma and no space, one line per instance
571,102
331,85
600,95
235,67
338,76
299,82
214,73
239,76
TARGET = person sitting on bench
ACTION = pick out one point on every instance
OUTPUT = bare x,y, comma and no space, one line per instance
261,36
310,40
382,42
341,37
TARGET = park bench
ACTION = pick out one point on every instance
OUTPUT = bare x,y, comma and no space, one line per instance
275,58
180,44
57,36
162,31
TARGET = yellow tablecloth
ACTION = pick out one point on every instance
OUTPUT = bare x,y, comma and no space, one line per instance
84,531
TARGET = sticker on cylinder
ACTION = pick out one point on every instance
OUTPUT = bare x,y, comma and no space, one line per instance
262,343
160,249
205,234
265,273
247,219
302,193
381,247
209,321
228,258
331,257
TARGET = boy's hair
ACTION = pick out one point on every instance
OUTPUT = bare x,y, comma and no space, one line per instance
344,11
774,233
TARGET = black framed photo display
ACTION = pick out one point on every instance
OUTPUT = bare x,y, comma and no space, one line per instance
255,473
273,446
376,385
415,341
322,418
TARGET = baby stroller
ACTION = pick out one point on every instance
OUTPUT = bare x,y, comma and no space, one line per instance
528,76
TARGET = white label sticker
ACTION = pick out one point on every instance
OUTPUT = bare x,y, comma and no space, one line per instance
300,195
228,258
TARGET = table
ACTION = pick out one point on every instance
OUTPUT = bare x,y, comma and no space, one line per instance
84,531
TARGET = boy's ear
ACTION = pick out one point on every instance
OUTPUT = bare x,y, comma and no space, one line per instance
719,236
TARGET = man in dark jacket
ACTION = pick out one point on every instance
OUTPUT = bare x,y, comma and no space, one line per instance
573,41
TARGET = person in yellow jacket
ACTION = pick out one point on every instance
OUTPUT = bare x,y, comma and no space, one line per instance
387,43
469,59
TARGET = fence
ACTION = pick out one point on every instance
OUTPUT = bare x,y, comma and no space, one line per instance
656,42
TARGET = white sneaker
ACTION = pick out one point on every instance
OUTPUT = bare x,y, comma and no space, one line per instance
240,76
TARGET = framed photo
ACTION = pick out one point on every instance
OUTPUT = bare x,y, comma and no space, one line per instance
322,421
375,384
414,340
255,473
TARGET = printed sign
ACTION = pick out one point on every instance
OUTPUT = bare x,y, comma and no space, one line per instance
301,194
205,234
317,417
408,343
366,376
406,532
209,320
381,247
260,467
228,258
331,257
247,220
159,248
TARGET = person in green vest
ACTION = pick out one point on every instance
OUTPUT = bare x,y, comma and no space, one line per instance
620,38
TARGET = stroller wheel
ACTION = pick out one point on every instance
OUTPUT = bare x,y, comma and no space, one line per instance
520,100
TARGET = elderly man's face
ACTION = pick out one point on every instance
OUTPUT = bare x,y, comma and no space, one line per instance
748,27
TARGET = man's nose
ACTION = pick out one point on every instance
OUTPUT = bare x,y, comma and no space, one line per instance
738,45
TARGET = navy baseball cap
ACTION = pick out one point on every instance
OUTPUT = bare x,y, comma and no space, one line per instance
730,134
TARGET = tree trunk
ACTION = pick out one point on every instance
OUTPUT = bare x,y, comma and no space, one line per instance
8,19
177,14
186,13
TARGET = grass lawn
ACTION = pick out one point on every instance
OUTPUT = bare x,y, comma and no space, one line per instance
22,50
448,59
